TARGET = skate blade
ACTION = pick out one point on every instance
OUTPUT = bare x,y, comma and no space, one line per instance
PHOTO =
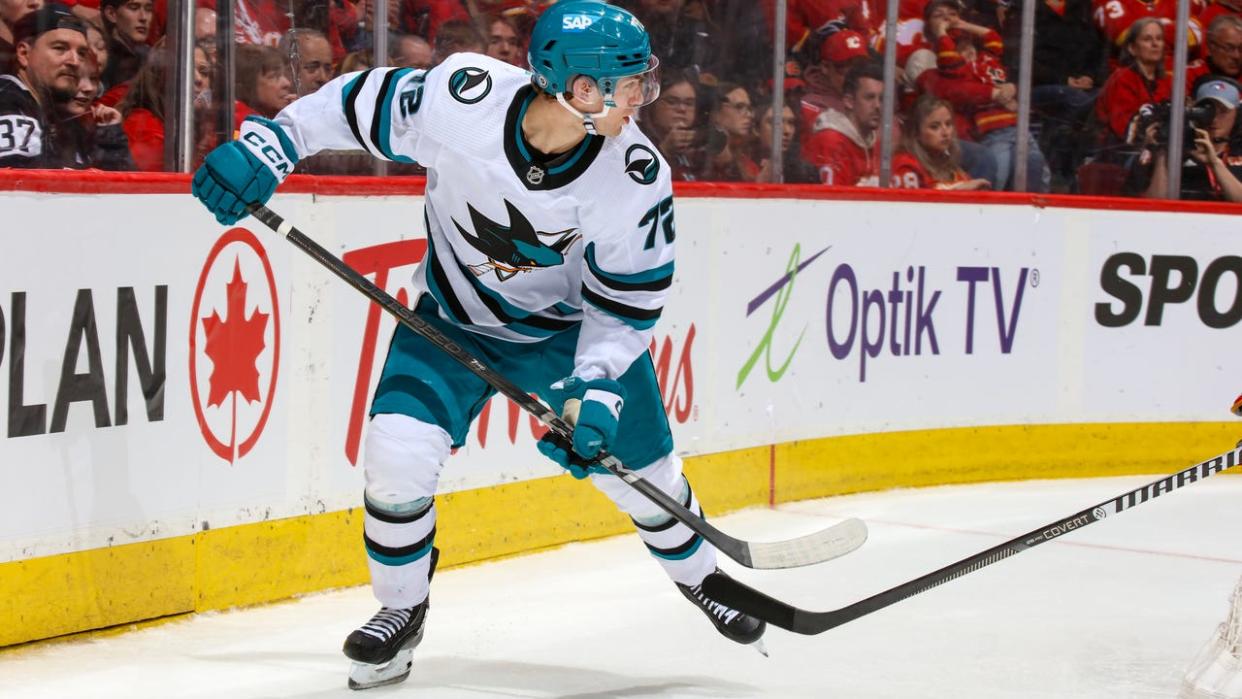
761,647
366,676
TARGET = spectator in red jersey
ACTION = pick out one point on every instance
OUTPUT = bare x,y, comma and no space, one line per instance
143,109
10,12
731,136
456,37
1116,18
505,41
411,51
1224,50
970,76
844,145
1213,171
672,123
838,52
263,85
1140,80
126,24
89,135
310,59
794,170
930,157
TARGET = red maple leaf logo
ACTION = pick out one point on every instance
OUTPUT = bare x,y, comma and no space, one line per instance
234,345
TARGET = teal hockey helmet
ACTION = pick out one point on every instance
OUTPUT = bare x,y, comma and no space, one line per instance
600,41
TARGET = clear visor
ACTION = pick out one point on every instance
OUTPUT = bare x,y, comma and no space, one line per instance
638,90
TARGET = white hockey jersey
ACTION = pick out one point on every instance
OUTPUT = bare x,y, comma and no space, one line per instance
519,248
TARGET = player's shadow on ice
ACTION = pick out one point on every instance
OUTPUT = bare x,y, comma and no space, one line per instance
456,677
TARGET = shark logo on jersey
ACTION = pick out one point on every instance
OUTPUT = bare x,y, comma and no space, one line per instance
641,164
469,85
514,248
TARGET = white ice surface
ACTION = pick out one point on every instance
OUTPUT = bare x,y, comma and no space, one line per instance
1117,609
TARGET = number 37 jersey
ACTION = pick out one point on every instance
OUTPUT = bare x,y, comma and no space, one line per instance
520,245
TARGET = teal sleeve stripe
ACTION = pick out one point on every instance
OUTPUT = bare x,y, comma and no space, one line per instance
384,115
285,144
349,88
650,280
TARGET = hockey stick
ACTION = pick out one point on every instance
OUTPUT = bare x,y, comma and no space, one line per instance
817,547
778,613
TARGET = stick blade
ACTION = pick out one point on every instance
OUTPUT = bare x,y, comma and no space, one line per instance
820,546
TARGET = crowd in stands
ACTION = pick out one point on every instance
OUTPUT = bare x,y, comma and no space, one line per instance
84,84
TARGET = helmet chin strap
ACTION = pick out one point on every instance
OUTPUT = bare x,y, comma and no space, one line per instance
588,120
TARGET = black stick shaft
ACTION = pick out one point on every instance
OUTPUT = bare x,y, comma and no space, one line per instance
788,617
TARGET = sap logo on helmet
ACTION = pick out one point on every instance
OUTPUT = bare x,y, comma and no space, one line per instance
576,23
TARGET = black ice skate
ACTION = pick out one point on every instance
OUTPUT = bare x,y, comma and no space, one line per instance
731,623
383,648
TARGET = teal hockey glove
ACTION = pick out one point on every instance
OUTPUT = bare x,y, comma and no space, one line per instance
592,408
245,171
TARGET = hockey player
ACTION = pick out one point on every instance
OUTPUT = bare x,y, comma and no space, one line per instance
550,251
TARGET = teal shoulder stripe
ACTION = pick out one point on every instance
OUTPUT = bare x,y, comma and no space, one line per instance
658,274
385,117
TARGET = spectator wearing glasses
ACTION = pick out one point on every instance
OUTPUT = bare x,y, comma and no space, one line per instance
309,54
672,123
1224,50
844,146
731,136
1213,171
49,48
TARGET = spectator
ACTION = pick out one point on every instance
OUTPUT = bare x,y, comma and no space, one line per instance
1140,80
671,122
142,109
49,46
126,26
684,36
795,170
1214,168
1116,19
89,135
205,30
411,51
263,85
98,42
732,120
355,61
310,59
824,77
505,42
456,36
1069,58
10,12
970,76
843,147
930,157
1224,50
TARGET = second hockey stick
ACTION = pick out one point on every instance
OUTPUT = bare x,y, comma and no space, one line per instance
816,547
739,596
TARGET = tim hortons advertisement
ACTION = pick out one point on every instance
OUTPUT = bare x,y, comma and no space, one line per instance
161,374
